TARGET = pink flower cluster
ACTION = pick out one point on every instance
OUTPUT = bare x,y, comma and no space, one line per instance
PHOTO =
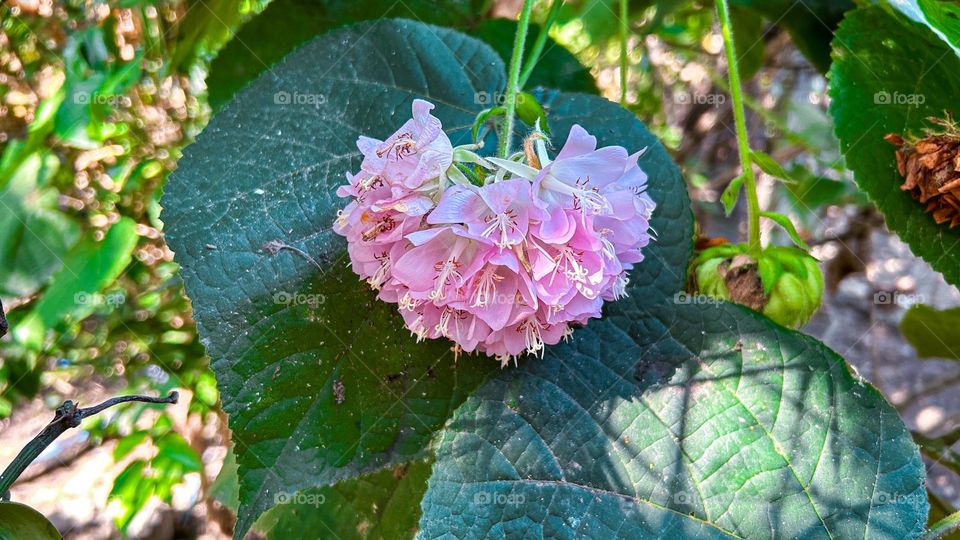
501,256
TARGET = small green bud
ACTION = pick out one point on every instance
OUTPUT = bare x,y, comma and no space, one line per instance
783,283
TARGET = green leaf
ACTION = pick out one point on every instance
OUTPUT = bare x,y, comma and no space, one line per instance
385,504
131,489
680,421
207,26
74,291
811,23
321,381
932,333
943,18
889,76
484,116
226,486
287,24
175,448
557,67
127,444
787,225
748,40
530,112
19,521
769,165
731,194
34,234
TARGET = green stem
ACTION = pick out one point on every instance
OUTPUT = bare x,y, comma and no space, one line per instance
743,141
540,42
624,34
513,79
942,528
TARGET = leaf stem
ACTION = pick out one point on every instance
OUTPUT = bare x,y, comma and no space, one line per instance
539,43
513,79
67,416
624,34
942,528
743,140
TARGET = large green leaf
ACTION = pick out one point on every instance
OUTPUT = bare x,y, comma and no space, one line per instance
889,75
385,504
74,290
556,68
20,522
287,24
943,18
811,23
933,333
34,234
677,421
320,380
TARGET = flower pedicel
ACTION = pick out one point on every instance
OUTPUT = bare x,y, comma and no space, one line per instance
500,256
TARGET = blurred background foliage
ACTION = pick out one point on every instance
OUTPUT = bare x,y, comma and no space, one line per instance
97,100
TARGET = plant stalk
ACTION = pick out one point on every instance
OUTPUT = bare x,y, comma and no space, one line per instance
513,79
624,34
743,140
67,416
539,43
942,528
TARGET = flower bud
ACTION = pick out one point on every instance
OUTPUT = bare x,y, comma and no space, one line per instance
783,283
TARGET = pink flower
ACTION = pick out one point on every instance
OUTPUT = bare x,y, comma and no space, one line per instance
505,265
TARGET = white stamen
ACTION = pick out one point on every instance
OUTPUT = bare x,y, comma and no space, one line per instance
408,303
486,288
504,222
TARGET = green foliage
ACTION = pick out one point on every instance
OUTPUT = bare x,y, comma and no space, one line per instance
74,290
142,479
811,23
557,68
301,329
700,420
889,76
287,24
281,388
748,37
769,165
384,504
932,332
19,521
36,235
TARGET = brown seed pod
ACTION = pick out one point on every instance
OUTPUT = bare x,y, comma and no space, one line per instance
931,169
